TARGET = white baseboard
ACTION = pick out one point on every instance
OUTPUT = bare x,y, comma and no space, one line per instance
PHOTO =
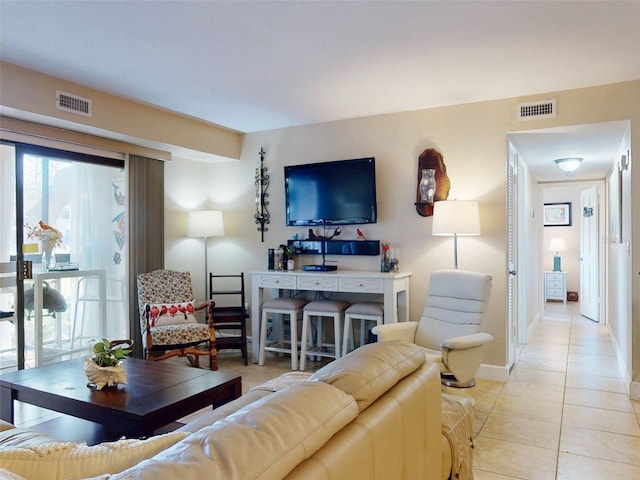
533,326
493,372
633,388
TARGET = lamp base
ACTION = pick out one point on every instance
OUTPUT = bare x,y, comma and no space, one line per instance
556,264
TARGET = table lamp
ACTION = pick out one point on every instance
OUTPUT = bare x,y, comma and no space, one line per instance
205,224
557,245
455,218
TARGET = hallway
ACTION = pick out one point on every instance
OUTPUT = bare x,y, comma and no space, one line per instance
564,414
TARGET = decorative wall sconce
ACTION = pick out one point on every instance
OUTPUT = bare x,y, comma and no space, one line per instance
428,185
433,182
262,183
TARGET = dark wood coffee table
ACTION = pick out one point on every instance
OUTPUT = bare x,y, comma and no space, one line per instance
155,395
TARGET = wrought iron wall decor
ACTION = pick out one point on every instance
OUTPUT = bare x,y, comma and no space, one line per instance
262,183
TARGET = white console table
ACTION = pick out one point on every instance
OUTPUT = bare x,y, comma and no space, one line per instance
393,286
38,300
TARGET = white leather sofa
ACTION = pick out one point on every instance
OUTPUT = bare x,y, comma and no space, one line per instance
376,413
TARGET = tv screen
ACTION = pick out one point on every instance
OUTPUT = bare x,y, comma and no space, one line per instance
331,193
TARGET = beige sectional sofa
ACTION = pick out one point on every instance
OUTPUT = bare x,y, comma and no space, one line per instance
375,414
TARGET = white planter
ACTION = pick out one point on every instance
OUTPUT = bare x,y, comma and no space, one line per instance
101,377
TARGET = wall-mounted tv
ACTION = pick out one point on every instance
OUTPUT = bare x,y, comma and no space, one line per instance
331,193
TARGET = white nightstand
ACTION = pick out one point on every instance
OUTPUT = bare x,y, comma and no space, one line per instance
555,286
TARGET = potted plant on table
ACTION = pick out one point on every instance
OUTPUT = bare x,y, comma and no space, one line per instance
290,252
104,367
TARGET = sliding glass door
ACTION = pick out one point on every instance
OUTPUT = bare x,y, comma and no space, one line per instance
63,214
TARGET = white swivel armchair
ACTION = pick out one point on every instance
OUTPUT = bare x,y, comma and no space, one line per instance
450,326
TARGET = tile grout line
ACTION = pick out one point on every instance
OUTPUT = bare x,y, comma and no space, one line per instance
564,391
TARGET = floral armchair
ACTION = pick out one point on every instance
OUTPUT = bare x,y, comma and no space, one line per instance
167,318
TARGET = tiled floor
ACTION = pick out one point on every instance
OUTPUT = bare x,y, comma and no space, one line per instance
564,414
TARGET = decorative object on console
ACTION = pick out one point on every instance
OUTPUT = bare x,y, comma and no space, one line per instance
289,251
271,259
385,259
394,262
262,183
557,245
205,224
313,236
433,182
456,218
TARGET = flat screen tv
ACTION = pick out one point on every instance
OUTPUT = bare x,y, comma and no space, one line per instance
331,193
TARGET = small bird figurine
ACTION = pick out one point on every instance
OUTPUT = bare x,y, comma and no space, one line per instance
360,234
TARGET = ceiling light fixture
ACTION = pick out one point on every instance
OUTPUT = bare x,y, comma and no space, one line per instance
568,164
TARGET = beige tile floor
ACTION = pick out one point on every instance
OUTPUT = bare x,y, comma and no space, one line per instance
564,414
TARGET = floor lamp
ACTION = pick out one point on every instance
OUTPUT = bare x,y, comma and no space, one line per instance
455,218
205,224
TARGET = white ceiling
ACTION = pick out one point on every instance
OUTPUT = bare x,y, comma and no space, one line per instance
253,66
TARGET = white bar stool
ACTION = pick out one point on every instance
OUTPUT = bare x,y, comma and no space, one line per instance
322,309
281,306
365,312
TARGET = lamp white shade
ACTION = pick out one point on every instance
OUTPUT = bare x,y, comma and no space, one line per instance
557,245
456,217
205,223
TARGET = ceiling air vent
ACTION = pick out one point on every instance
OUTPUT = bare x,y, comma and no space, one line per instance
535,110
73,103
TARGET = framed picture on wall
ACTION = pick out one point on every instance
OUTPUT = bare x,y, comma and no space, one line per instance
557,214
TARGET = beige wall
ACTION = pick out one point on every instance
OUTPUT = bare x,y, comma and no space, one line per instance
31,95
471,137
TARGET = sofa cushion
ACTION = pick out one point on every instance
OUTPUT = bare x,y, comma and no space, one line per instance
201,420
264,440
4,425
23,438
369,371
69,461
7,475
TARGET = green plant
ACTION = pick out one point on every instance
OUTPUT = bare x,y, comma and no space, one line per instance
109,354
290,251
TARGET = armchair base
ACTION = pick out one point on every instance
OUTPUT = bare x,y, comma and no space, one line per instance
451,381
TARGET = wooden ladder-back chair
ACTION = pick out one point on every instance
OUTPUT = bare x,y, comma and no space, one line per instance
230,312
167,318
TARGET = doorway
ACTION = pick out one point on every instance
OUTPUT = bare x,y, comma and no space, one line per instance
62,225
536,150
